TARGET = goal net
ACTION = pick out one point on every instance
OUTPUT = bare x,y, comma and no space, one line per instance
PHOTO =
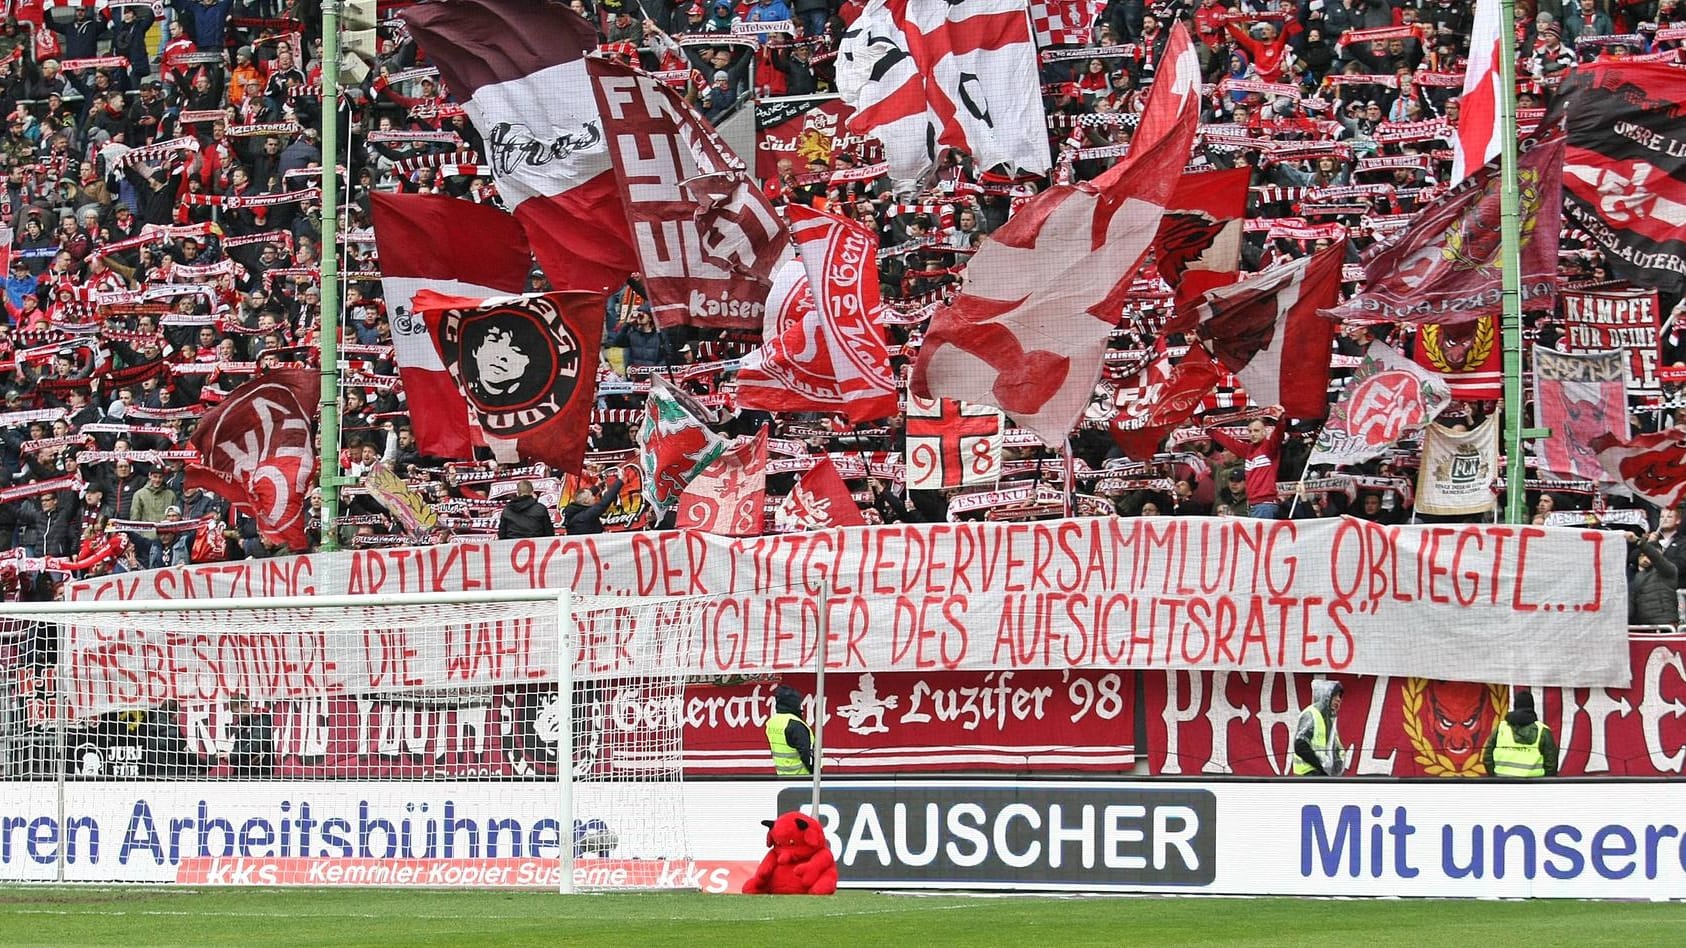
428,739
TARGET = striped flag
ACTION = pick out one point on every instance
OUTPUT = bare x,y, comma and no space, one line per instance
453,247
518,67
1478,109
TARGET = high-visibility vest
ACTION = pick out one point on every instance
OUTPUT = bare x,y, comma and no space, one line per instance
1512,758
787,762
1324,743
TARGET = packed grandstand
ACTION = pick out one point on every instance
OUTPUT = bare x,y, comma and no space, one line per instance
164,191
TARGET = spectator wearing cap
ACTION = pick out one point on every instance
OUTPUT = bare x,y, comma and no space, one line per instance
19,283
721,98
82,32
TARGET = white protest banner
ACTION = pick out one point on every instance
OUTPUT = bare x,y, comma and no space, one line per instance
1472,602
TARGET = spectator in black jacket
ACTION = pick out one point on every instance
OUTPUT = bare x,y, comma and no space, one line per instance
525,517
584,515
1651,586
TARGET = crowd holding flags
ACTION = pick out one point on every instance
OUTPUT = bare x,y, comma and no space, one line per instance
609,172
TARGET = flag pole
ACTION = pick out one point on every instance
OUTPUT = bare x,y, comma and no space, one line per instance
1510,267
328,323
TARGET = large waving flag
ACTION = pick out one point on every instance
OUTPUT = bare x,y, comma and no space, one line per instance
1029,330
1388,398
824,349
1624,175
1444,267
1651,466
925,75
1267,330
518,67
527,366
819,501
707,237
1477,141
258,451
453,247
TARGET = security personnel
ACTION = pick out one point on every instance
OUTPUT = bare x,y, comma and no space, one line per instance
1521,746
788,736
1317,742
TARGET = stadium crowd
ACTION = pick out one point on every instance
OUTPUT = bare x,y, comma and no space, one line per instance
148,277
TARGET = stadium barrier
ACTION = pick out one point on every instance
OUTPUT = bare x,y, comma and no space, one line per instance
1547,839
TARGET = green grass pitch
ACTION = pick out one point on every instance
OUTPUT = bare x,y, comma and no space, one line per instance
138,916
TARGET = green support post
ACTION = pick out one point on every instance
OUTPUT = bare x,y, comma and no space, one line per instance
330,257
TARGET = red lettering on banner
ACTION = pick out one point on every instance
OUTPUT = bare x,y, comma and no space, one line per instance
1524,535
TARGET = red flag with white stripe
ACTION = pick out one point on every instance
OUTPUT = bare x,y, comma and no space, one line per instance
1030,328
518,68
819,501
730,496
1267,330
453,247
1477,141
824,348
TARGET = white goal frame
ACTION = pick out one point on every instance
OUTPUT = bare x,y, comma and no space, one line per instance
565,679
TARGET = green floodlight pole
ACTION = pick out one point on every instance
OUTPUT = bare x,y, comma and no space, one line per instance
1510,267
329,321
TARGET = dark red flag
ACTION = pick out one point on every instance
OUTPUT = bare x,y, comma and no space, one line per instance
258,451
707,237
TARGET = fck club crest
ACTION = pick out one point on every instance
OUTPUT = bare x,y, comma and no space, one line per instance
518,363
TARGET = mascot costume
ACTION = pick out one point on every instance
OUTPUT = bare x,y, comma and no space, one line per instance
798,860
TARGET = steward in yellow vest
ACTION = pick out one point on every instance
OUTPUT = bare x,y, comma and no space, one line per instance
1521,746
1317,741
788,736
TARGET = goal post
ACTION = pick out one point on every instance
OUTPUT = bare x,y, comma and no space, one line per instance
429,724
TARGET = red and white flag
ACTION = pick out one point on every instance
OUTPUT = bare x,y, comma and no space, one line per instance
927,75
819,501
1579,397
824,348
951,444
1477,141
527,366
453,247
1651,466
1029,330
518,67
707,237
729,497
1198,246
1267,330
1168,395
258,451
1388,398
674,446
1064,22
